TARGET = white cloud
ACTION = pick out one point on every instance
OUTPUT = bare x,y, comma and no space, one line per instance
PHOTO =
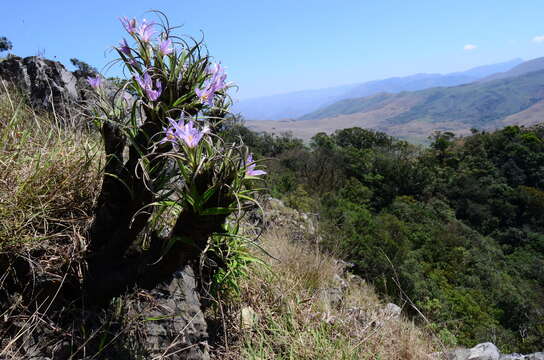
538,39
469,47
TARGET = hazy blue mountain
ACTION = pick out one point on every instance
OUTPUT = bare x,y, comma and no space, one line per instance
523,68
481,94
477,103
289,105
426,81
297,104
414,115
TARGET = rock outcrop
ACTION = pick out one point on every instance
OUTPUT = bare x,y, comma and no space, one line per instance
486,351
47,84
166,322
303,225
178,327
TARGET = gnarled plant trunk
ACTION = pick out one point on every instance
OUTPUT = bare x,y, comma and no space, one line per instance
113,264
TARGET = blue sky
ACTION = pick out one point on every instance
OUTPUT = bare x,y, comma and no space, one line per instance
278,46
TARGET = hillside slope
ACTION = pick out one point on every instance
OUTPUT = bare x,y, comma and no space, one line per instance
296,104
300,302
476,102
307,305
457,227
426,81
521,69
415,115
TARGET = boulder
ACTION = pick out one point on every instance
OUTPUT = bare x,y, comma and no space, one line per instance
458,354
163,323
46,83
484,351
392,310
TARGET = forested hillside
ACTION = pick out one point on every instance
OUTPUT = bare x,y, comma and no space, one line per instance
456,231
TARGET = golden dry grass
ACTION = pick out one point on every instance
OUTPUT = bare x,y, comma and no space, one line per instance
294,317
49,176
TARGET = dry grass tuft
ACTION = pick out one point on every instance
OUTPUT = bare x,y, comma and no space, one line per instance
298,316
49,176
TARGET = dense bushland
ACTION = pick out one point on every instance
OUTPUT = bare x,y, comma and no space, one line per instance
455,230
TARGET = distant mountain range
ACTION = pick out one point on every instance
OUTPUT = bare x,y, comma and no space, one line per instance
296,104
520,69
290,105
514,96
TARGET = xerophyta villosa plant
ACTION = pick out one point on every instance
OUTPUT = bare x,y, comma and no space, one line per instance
171,184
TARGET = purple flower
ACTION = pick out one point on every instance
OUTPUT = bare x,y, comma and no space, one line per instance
179,131
205,95
165,47
146,83
124,48
146,31
129,25
153,95
191,135
250,167
171,133
218,76
95,82
214,84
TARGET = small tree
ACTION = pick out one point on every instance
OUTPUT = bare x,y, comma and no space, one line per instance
5,44
82,68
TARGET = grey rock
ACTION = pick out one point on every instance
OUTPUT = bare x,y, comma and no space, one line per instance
458,354
512,357
535,356
344,264
484,351
163,323
46,83
392,310
178,329
248,318
341,283
487,351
